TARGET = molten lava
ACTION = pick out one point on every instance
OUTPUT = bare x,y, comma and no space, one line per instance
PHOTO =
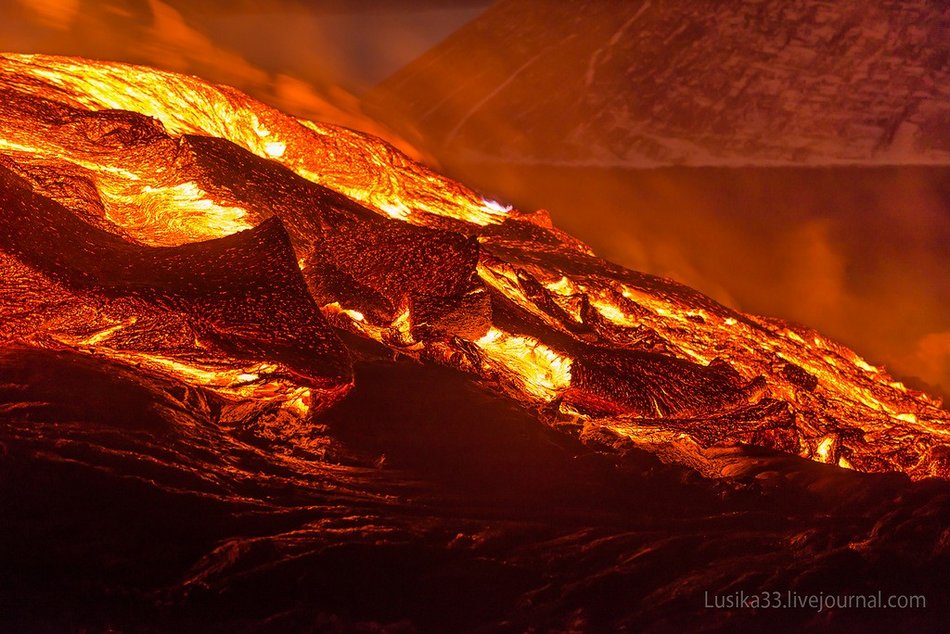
163,223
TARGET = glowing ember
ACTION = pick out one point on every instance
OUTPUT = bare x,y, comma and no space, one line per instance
540,371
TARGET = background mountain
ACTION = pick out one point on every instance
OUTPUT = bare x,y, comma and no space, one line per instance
696,82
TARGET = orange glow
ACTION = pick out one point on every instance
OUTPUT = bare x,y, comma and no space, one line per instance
577,307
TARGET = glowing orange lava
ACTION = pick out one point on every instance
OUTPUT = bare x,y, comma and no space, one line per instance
531,313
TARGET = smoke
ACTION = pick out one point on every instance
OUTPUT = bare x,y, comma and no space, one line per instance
931,357
186,37
54,14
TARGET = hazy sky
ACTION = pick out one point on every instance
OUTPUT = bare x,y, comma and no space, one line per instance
354,44
348,43
312,58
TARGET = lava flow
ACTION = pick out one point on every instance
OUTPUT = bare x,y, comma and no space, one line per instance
165,223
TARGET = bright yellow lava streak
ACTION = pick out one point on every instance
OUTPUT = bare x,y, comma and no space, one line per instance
543,372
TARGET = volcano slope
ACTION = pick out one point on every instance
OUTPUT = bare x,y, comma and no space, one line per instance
263,373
